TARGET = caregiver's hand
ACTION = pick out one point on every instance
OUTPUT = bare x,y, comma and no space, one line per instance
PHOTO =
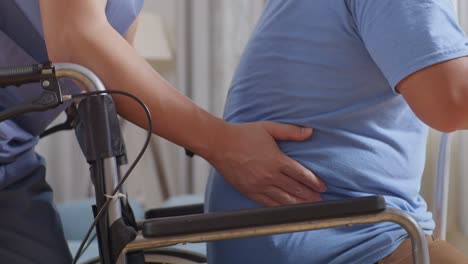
250,160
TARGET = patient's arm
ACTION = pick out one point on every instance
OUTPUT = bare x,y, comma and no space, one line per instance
245,154
438,94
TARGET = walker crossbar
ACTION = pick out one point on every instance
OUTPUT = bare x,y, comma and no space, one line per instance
257,228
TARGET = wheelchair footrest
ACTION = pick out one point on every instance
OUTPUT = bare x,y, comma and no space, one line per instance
210,222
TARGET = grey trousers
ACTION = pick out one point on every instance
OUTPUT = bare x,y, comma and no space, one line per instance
30,229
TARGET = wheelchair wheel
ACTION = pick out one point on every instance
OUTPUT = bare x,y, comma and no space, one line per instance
166,256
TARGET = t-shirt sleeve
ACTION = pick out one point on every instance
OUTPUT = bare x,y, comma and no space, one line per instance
122,13
403,37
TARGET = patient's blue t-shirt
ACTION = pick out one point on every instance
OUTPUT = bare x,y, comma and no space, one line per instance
333,65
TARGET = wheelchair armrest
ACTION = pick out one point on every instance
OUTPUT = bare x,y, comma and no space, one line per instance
209,222
174,211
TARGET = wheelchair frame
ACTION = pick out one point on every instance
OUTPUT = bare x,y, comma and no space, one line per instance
286,218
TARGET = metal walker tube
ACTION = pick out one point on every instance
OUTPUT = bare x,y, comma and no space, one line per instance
111,176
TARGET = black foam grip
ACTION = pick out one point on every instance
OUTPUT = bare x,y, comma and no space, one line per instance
174,211
210,222
19,75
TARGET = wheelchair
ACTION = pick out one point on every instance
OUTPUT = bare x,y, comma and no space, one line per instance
124,241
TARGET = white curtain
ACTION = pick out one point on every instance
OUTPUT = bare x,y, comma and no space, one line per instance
217,43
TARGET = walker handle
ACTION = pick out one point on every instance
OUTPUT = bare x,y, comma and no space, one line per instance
41,73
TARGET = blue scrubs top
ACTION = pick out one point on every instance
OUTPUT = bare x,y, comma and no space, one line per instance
333,65
21,134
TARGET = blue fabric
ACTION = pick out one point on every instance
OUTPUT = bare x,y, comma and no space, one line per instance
30,230
333,65
33,43
21,133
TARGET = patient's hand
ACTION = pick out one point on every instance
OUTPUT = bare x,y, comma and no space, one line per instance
251,161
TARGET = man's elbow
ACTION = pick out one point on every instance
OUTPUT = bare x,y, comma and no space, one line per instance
449,119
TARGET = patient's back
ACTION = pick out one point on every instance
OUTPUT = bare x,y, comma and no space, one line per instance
333,65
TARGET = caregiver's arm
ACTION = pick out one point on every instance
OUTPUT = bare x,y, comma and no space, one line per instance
438,94
245,154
